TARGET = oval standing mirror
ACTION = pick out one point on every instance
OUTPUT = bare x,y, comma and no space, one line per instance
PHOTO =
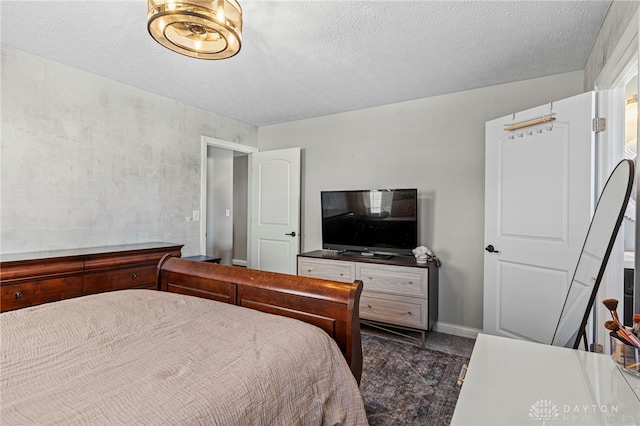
594,256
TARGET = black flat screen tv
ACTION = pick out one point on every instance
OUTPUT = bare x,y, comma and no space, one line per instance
369,221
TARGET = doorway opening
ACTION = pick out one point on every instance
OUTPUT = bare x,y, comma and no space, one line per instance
629,223
224,200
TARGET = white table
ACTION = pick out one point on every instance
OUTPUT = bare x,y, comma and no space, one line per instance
513,382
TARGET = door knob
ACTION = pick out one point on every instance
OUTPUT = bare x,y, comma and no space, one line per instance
491,249
293,234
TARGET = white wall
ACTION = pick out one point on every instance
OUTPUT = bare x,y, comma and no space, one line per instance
240,194
434,144
87,161
219,199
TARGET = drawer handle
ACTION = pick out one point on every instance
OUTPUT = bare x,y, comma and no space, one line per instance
134,276
17,294
341,274
370,278
308,270
409,313
369,306
463,373
410,282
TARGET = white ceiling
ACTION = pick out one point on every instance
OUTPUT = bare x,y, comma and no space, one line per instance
302,59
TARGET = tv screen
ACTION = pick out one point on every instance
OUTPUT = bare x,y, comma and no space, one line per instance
372,220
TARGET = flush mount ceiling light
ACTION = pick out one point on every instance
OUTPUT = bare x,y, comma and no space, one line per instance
204,29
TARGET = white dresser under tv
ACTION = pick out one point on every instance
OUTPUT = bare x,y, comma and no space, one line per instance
397,290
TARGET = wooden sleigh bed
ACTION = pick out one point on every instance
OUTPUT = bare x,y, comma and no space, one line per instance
164,357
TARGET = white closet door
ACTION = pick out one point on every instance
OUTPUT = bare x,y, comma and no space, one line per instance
539,184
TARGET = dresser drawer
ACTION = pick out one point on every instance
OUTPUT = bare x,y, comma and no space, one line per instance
57,289
394,310
393,279
120,279
15,296
327,270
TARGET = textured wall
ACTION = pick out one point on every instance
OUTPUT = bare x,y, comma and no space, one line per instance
434,144
614,25
87,161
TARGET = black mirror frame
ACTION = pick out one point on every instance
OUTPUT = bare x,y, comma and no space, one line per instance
605,259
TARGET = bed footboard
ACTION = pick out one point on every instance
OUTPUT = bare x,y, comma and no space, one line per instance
332,306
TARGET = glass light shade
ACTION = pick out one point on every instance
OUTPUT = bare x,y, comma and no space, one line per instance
204,29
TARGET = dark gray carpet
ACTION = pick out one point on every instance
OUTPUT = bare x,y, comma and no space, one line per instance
403,384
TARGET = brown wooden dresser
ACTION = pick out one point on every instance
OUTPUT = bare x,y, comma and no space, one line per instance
28,279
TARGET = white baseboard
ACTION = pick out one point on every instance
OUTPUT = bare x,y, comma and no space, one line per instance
456,330
239,262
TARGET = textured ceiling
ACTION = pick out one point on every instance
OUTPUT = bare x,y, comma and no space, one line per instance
303,59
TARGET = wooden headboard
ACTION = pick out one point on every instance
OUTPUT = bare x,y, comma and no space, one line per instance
332,306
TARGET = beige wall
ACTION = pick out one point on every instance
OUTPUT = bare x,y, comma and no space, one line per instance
434,144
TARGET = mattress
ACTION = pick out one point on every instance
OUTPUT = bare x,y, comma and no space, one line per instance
150,357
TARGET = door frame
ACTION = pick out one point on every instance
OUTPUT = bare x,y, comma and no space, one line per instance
206,141
622,64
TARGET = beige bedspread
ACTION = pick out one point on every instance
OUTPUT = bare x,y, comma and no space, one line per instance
147,357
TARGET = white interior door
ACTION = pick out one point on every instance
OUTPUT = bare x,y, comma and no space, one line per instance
274,240
539,192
